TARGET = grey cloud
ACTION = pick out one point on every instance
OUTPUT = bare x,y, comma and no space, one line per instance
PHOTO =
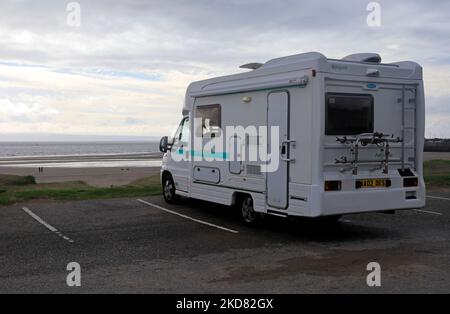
211,37
134,121
192,34
438,105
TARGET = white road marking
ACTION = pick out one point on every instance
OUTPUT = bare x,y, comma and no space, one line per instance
427,212
187,217
45,224
439,198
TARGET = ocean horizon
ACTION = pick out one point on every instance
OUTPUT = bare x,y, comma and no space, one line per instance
74,148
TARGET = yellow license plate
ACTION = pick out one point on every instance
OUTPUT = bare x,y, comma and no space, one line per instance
372,183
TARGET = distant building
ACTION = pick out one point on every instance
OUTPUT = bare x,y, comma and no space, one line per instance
437,145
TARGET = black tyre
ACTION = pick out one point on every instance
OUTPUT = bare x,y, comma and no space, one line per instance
168,187
248,213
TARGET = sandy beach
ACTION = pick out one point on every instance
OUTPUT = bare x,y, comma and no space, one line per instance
101,177
106,170
99,170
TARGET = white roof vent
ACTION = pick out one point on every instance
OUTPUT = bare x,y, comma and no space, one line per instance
364,57
252,66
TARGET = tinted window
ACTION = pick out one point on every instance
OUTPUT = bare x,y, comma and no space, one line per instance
348,114
211,120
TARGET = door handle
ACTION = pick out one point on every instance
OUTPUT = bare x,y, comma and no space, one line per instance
287,159
284,145
289,142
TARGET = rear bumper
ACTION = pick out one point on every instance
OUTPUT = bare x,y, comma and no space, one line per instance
368,200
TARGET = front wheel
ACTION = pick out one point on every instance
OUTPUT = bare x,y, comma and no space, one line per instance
248,213
169,190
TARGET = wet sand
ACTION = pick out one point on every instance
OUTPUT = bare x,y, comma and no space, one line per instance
55,160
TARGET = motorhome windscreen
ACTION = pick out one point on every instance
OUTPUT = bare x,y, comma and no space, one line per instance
348,114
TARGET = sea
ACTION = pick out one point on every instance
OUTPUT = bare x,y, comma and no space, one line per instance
79,154
31,149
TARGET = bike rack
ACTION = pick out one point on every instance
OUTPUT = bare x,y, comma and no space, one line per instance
382,141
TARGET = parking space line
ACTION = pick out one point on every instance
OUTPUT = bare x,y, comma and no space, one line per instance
439,197
187,217
427,212
45,224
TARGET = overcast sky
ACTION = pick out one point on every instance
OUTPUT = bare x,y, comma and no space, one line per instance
124,71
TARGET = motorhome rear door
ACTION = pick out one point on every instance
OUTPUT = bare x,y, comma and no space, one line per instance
277,181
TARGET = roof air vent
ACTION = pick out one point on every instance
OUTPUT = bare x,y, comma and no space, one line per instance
364,57
252,66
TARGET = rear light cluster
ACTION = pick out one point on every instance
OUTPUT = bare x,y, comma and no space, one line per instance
333,185
409,182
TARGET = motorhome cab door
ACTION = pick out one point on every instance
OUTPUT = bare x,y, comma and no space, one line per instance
277,181
179,159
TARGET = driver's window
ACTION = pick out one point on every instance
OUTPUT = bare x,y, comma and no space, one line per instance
185,132
182,135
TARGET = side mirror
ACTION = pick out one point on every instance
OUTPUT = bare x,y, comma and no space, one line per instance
164,144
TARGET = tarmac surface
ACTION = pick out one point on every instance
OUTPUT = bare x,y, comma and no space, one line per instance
147,246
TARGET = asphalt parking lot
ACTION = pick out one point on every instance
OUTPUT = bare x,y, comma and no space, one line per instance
147,246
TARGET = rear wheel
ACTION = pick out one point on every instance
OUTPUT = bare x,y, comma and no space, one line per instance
248,213
169,190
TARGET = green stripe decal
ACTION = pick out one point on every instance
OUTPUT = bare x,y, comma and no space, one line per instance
221,155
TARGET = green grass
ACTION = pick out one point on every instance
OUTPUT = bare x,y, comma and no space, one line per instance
16,180
437,173
14,189
20,189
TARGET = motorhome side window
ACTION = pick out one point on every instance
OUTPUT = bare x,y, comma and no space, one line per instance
348,114
211,120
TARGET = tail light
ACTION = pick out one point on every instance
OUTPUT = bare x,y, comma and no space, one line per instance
332,185
409,182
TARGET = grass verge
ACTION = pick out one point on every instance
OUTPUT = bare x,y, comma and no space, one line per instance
437,173
11,193
14,189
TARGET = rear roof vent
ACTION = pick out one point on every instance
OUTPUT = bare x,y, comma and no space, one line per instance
364,57
252,66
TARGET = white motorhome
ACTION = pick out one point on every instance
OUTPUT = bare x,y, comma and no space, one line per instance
350,138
